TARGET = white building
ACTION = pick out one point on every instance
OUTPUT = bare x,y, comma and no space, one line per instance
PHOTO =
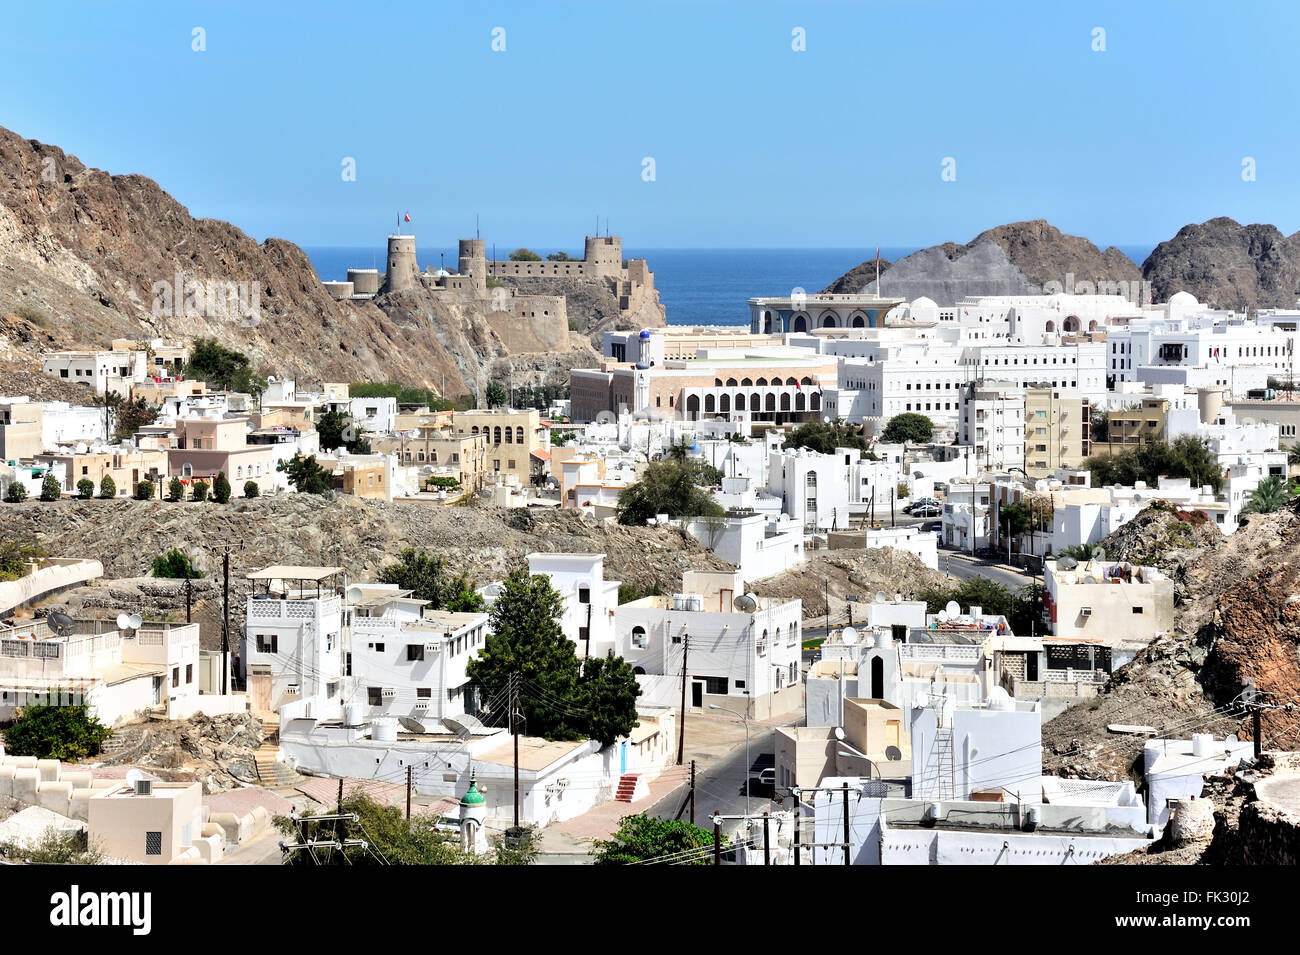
293,641
100,370
746,659
757,546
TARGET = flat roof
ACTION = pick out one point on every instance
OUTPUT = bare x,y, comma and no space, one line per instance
535,753
293,572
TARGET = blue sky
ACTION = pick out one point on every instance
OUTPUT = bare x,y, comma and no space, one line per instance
754,143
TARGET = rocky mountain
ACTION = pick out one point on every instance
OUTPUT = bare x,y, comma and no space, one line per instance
1236,619
1015,259
1228,265
86,257
857,278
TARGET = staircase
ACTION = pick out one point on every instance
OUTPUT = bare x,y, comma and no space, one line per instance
271,772
631,787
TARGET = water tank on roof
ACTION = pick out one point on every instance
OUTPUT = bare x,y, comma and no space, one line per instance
354,714
1202,744
692,603
383,730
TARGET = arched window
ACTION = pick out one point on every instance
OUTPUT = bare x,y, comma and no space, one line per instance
799,401
800,323
724,404
709,405
692,407
770,403
830,320
731,382
785,401
639,639
740,401
510,435
519,435
746,383
496,435
762,382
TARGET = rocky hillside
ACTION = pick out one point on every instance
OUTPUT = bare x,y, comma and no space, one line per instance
1014,259
1228,265
1237,618
857,278
82,251
359,536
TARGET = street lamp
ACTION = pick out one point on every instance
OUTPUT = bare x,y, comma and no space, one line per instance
744,719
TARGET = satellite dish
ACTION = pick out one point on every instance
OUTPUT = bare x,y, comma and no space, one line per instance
134,621
123,621
61,624
133,776
745,603
411,725
839,733
943,616
881,597
1067,563
849,636
1098,553
354,594
953,608
893,753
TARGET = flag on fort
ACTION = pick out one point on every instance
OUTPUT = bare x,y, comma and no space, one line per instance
406,217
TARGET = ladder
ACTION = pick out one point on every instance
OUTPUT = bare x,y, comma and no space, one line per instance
940,765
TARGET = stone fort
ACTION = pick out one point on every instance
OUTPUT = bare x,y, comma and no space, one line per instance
525,322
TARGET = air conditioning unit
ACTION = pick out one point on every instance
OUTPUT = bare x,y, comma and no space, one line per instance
144,787
1086,611
389,692
432,647
420,706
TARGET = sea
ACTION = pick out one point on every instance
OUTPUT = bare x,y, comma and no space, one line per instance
696,286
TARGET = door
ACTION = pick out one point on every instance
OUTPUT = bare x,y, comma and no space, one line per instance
259,691
622,758
697,695
157,690
877,678
1031,667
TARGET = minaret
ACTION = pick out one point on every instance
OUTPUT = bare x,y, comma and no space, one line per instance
473,812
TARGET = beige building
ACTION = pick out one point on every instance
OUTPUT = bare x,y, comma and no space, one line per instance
461,456
875,743
1132,427
20,429
1107,602
126,466
512,437
1058,430
206,447
151,823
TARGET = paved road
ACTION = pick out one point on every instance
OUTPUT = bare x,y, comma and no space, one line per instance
964,569
721,787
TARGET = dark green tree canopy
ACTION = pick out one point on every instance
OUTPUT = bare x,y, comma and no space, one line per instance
496,395
306,476
641,837
667,487
175,563
224,369
56,732
524,255
429,579
337,430
908,427
825,437
1187,457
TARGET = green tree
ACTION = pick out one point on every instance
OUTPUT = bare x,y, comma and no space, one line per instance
524,255
391,838
641,837
337,430
127,415
107,486
607,691
250,489
221,488
175,490
51,489
526,639
1293,453
826,437
666,487
428,578
175,563
17,493
909,427
306,476
1187,457
224,369
15,554
55,848
85,489
1269,495
558,257
68,733
199,491
1100,430
144,490
496,395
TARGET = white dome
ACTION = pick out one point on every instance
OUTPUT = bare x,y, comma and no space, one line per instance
923,302
1183,300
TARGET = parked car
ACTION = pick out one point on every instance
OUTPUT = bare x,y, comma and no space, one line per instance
935,526
764,779
927,510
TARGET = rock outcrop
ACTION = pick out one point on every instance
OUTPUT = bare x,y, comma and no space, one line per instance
1228,265
1015,259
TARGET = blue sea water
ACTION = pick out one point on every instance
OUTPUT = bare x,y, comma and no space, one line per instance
696,286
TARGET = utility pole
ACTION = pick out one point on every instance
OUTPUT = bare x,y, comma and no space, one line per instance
846,825
717,840
225,621
410,768
1250,697
767,838
796,837
189,598
692,792
892,523
681,724
514,727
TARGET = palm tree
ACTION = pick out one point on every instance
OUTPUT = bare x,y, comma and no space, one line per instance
1268,496
1293,454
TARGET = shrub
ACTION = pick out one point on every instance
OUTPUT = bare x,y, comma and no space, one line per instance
200,491
56,732
175,563
175,490
17,493
107,487
51,489
221,488
85,489
144,490
250,489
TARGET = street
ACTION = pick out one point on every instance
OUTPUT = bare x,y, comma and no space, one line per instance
721,787
964,567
